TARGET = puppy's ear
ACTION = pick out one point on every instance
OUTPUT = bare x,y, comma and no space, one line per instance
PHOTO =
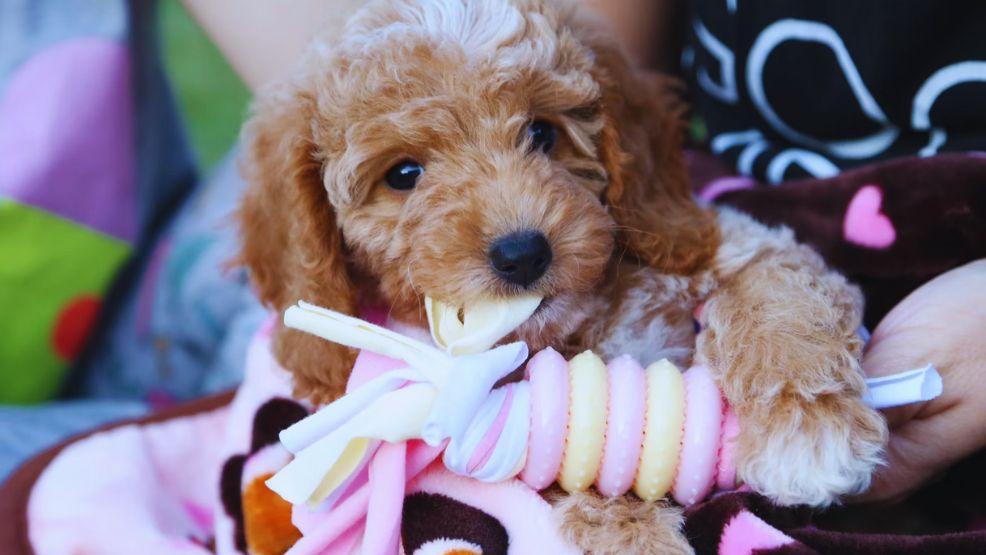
649,194
291,242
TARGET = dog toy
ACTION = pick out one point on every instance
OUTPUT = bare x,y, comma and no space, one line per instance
619,426
579,422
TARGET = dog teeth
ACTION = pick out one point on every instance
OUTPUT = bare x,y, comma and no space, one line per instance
476,327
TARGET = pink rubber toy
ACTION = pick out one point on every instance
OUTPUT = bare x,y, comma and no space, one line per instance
726,475
707,424
548,374
700,444
624,426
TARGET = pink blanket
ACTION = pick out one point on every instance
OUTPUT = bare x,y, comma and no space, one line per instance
178,486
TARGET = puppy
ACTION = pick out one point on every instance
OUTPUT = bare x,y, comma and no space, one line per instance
469,149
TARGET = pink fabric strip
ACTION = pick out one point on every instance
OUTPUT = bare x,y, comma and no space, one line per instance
332,533
334,526
420,456
485,448
723,185
387,485
348,542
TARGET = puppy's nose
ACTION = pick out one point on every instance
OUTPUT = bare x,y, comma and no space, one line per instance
520,257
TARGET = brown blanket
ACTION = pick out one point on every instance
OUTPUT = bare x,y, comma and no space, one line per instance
890,227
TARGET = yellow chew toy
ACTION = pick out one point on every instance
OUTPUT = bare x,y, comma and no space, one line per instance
587,422
664,419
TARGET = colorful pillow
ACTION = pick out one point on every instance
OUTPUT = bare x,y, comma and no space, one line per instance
68,216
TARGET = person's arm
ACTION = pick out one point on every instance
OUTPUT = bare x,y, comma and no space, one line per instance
263,39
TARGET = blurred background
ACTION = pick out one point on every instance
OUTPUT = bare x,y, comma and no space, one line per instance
212,98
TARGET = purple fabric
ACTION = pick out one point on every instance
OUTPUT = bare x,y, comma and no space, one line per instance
66,135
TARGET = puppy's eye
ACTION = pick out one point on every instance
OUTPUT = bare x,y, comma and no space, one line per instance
542,135
404,176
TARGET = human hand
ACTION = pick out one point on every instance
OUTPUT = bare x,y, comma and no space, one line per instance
942,323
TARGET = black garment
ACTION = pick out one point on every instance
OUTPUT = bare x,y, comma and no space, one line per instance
794,89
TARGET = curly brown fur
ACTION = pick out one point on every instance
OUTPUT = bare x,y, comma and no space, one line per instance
453,84
629,525
782,332
291,241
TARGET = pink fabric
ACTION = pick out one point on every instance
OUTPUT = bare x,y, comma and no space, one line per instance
723,185
307,519
383,515
348,542
269,459
66,141
202,516
157,483
525,514
153,483
266,330
745,534
329,535
370,365
264,379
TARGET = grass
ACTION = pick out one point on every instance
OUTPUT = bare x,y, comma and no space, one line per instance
212,98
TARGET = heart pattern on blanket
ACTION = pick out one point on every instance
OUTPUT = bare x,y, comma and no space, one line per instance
865,225
746,534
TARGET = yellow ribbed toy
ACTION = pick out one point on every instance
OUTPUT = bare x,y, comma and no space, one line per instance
664,424
584,442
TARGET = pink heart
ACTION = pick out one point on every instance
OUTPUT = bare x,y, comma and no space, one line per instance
865,225
746,534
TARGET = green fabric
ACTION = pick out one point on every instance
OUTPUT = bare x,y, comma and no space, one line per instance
53,274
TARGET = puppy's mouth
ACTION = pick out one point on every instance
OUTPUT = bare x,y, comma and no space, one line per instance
479,325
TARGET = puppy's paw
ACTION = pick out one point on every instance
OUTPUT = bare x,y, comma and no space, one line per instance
624,525
801,452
